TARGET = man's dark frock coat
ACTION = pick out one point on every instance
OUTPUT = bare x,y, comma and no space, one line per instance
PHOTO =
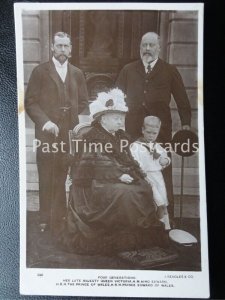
45,96
150,94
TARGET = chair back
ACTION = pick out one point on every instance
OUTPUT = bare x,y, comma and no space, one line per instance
77,133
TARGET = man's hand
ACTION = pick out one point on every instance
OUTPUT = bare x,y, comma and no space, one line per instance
186,127
51,128
126,178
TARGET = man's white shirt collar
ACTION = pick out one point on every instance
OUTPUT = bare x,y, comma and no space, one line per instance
57,63
61,69
152,64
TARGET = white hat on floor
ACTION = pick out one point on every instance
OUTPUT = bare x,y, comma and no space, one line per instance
113,101
182,237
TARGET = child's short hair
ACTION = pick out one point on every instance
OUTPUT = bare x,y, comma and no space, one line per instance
152,121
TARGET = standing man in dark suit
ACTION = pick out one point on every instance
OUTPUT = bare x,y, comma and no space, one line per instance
148,84
55,95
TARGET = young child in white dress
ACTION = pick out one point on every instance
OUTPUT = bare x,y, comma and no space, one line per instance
152,159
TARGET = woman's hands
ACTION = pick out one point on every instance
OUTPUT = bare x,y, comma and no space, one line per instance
126,178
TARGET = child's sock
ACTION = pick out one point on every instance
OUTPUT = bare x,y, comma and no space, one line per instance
162,220
166,222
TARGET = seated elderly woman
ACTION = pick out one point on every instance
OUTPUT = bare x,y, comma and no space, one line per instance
111,205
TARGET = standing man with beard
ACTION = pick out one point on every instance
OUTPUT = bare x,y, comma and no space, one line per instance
148,84
55,95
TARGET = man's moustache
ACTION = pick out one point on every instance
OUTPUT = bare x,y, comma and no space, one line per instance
65,55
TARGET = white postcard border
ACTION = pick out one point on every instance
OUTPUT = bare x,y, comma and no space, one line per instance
44,281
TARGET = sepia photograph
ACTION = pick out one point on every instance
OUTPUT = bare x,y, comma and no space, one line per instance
112,173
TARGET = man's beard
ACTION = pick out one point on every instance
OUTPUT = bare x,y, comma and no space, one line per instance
147,57
62,57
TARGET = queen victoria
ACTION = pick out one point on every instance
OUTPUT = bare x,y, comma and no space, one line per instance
111,205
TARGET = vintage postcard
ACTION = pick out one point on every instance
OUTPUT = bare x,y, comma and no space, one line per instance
112,172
